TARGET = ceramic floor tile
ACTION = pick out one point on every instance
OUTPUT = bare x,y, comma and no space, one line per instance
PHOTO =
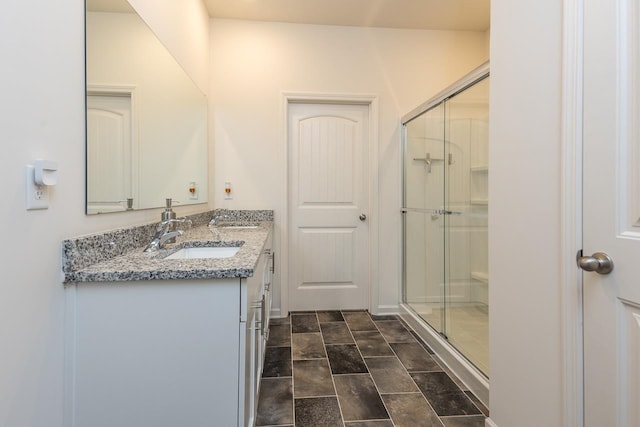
394,331
325,369
376,317
370,423
444,395
414,357
372,343
336,333
390,376
359,398
312,378
421,342
345,359
275,404
359,321
279,335
330,316
277,362
472,421
303,323
477,402
410,410
307,346
280,321
318,412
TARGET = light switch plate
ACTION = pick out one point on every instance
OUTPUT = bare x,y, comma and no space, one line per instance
37,195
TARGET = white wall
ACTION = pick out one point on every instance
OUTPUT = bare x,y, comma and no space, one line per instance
42,115
254,63
524,232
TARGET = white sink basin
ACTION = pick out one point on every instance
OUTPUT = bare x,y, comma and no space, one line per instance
207,252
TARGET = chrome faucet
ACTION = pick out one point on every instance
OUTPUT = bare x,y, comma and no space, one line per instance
213,224
165,232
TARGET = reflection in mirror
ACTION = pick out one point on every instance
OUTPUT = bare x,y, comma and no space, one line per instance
146,119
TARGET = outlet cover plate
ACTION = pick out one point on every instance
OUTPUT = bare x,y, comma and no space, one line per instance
37,195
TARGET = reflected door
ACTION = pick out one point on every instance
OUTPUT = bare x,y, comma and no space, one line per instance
109,153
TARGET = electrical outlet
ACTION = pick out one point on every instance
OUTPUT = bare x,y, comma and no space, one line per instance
37,195
193,191
227,191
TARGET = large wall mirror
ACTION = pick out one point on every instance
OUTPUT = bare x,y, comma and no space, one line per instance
146,119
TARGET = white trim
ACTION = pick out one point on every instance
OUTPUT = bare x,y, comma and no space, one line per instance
471,78
69,381
571,214
488,422
372,102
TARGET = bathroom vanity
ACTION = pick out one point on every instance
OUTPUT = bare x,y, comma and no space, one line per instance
154,341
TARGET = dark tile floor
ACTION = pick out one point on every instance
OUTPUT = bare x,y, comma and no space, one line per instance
353,369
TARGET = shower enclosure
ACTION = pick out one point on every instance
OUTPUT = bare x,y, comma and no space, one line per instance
445,204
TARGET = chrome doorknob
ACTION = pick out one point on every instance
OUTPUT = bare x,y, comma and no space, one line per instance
599,262
363,217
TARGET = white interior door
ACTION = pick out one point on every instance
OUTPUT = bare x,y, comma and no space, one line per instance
328,204
109,153
611,212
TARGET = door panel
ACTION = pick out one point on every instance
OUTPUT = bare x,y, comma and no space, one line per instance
611,212
328,243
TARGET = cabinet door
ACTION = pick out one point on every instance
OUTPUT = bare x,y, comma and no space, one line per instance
158,353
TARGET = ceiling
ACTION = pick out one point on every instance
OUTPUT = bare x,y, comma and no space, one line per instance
472,15
109,6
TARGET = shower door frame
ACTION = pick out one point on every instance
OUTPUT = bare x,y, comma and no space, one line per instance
477,382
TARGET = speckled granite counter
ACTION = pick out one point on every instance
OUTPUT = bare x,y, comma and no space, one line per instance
118,255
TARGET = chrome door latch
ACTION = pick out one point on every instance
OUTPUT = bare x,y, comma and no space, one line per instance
599,262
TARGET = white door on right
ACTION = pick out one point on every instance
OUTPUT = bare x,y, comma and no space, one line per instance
611,212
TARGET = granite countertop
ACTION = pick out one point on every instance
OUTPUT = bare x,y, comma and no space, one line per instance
91,265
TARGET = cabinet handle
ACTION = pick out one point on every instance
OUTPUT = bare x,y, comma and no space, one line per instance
264,313
273,262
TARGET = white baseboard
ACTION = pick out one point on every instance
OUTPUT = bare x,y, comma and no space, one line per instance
386,309
276,313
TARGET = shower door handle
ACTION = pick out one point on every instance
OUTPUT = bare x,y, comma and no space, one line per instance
599,262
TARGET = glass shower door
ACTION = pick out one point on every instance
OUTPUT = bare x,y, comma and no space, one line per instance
466,197
446,201
424,224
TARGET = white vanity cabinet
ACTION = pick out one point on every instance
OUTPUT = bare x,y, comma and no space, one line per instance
254,333
166,353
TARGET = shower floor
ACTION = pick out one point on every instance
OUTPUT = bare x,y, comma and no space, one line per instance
467,327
